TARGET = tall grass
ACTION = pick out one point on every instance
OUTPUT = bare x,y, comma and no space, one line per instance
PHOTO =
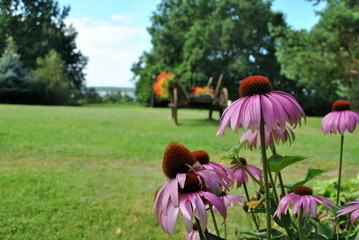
83,172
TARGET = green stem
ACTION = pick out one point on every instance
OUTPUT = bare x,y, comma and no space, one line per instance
252,214
225,229
200,232
350,229
214,220
340,166
265,176
281,183
300,223
279,175
273,185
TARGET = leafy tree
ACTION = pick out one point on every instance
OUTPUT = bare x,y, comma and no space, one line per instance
37,26
91,96
326,58
50,82
14,78
196,39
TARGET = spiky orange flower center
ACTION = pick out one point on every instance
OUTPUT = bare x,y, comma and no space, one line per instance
341,105
303,190
201,156
176,160
255,85
192,184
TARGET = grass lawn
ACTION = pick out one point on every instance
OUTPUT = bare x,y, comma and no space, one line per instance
83,172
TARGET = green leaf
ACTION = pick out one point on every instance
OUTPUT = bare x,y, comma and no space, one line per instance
321,227
312,173
314,236
277,162
211,236
236,148
276,234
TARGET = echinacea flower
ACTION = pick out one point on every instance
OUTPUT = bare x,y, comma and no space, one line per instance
258,98
230,199
275,136
187,181
203,158
240,174
340,119
352,207
192,203
302,198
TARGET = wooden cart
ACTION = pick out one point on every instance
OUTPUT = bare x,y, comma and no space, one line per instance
181,99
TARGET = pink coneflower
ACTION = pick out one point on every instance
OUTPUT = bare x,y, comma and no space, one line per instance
241,175
192,203
222,171
186,179
275,136
257,96
352,207
340,119
229,199
302,199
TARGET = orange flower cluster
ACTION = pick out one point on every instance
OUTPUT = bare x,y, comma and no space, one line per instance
160,87
202,91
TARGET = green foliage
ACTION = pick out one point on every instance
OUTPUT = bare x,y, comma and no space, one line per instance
277,162
325,59
91,96
37,27
49,81
328,188
203,38
117,97
312,173
14,78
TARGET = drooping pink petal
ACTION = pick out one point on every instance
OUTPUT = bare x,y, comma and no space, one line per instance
216,201
354,216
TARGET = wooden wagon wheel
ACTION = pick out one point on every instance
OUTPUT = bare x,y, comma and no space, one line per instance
223,100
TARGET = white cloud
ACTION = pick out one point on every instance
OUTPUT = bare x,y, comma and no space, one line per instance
111,49
123,18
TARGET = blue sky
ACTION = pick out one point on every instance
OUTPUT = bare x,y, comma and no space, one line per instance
112,33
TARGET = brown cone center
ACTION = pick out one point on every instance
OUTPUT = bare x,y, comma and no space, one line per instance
303,190
201,156
192,184
341,105
255,85
176,160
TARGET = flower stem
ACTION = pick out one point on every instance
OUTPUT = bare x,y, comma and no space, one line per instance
300,218
214,220
349,231
225,229
281,183
265,175
252,214
340,166
279,175
200,232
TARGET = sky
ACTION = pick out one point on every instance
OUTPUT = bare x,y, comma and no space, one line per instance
113,35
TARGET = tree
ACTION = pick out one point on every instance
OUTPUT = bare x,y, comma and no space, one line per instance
37,26
50,82
196,39
326,58
14,78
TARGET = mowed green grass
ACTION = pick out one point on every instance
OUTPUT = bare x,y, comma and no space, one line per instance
83,172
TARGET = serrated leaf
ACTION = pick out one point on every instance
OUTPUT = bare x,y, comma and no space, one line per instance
277,162
312,173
